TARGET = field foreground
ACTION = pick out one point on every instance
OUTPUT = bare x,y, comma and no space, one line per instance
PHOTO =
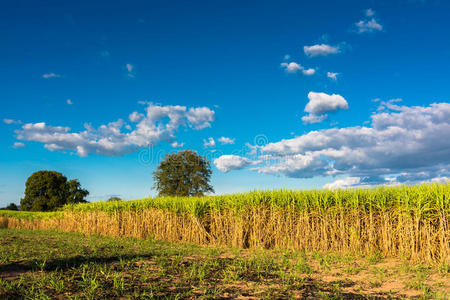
408,222
49,264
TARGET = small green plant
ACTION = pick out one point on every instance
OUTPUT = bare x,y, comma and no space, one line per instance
118,283
444,268
56,282
375,257
40,264
303,266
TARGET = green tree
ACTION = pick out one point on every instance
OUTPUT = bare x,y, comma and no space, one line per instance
183,174
114,198
12,206
76,193
50,190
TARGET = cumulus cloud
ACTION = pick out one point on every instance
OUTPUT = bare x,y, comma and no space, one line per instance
200,117
51,75
343,183
70,102
308,71
321,103
320,50
332,75
403,145
442,179
296,165
135,116
294,67
226,163
225,140
159,123
291,67
369,23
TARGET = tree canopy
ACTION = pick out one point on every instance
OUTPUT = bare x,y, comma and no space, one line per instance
11,206
50,190
114,198
185,173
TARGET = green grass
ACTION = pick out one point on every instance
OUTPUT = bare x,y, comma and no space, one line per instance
49,264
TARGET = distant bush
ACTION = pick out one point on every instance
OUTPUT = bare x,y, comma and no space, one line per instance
114,199
12,206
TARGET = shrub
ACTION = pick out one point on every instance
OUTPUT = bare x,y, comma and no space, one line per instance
50,190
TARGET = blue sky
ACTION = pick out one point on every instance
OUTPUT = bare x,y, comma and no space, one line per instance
304,94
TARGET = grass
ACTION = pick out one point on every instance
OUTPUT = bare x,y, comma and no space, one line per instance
50,264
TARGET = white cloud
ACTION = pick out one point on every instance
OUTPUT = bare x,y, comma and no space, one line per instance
53,147
291,67
442,179
51,75
343,183
308,71
287,57
130,69
177,145
160,123
225,140
369,24
313,119
18,145
332,75
320,103
200,117
294,67
296,165
135,116
209,142
404,178
69,102
11,121
226,163
402,145
369,12
320,50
